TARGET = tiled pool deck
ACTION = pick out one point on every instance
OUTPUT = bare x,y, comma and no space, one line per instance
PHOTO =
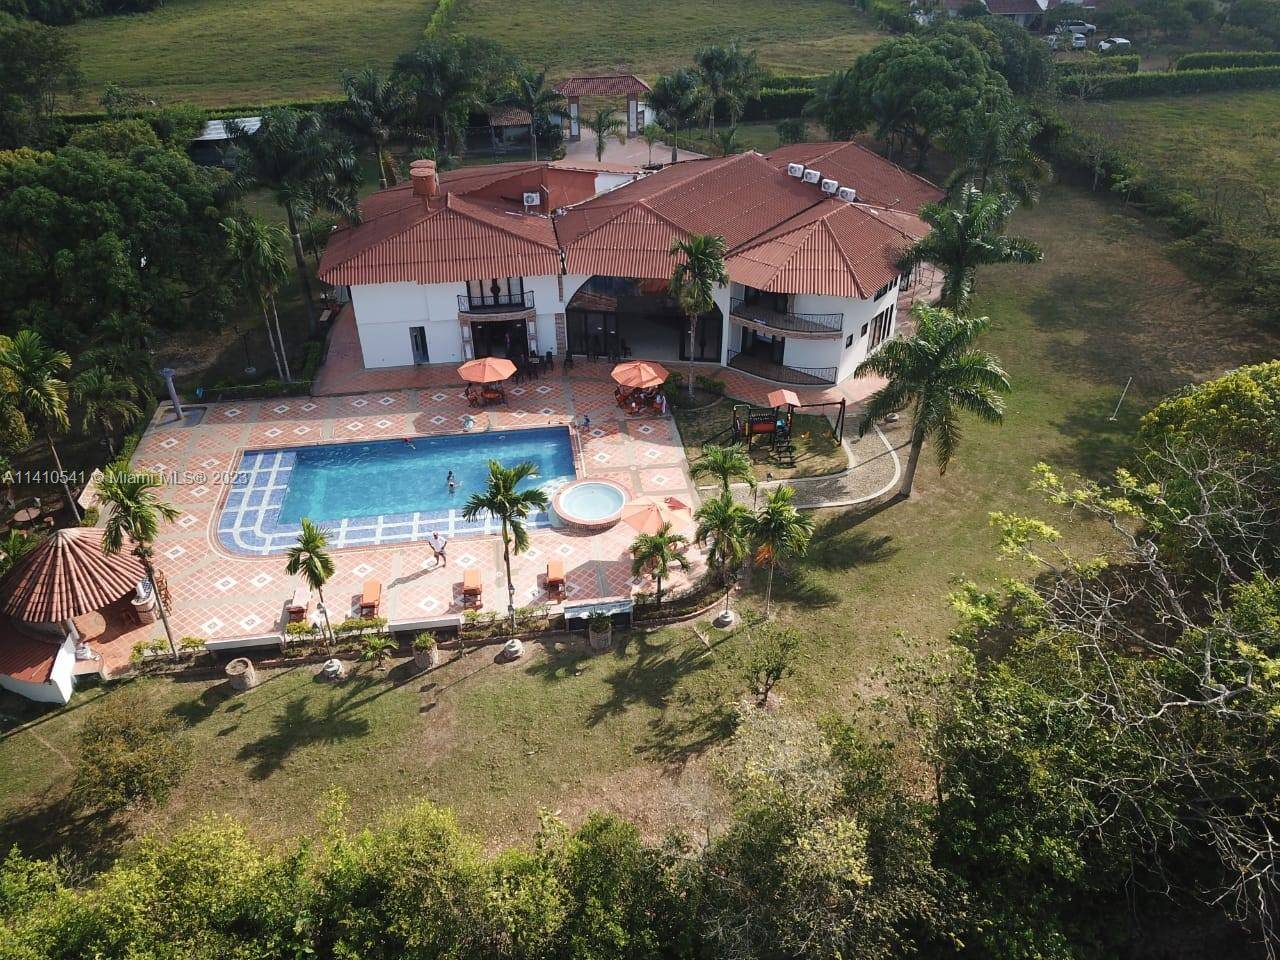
218,594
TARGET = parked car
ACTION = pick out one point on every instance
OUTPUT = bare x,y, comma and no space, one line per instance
1079,41
1115,44
1078,26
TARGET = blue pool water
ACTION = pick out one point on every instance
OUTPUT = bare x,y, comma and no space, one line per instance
385,477
380,492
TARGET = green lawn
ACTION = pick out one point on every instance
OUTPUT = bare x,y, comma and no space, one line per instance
629,731
817,452
236,52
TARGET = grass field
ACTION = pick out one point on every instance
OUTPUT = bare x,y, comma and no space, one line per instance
1220,146
631,731
233,51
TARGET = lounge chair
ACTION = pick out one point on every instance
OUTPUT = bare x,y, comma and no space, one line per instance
555,580
472,589
298,606
370,598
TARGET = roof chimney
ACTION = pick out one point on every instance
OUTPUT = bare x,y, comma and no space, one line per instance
425,181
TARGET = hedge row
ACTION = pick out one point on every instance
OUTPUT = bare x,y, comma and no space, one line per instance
778,104
208,113
1158,84
1222,59
788,81
1121,63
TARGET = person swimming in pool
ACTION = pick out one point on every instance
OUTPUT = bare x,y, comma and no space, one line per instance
453,484
409,443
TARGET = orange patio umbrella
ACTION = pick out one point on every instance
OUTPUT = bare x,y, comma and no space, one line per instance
648,515
486,370
783,398
640,374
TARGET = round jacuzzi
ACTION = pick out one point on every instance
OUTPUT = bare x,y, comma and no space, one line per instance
590,504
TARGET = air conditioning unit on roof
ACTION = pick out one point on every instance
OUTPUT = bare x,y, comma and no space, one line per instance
848,194
829,186
533,199
795,170
810,175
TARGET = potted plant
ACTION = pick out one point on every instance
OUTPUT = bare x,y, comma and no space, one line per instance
600,631
426,651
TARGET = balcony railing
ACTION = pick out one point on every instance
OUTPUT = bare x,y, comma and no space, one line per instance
502,303
814,376
811,324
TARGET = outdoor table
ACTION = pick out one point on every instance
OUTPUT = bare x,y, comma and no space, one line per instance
26,515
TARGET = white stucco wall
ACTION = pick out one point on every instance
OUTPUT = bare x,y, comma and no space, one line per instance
611,181
59,685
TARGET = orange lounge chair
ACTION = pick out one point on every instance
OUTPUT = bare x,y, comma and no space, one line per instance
472,589
297,606
371,598
555,579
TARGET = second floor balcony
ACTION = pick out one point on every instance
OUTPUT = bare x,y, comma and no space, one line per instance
803,325
490,303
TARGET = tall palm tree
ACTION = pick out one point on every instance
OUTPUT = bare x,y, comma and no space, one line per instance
652,134
294,158
119,346
446,78
722,530
32,373
134,515
532,95
694,280
939,375
716,66
503,499
259,263
376,109
726,464
309,557
107,402
678,100
994,154
779,532
654,554
605,124
965,235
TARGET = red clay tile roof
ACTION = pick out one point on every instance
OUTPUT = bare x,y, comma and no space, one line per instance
26,655
834,248
1011,7
602,85
509,117
877,181
67,575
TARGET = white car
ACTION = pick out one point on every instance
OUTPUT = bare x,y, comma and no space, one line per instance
1117,44
1078,26
1079,41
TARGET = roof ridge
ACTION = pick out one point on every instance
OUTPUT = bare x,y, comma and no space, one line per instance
844,257
452,199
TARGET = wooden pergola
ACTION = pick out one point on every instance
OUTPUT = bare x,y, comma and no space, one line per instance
604,85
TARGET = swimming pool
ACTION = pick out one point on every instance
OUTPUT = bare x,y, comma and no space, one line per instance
381,491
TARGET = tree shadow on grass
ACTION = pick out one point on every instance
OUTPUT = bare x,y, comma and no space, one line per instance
561,658
300,724
674,740
86,840
650,678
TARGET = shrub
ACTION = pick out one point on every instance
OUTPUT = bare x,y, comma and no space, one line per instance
710,384
791,130
777,104
191,645
132,754
1220,59
376,647
426,640
1166,82
91,517
311,361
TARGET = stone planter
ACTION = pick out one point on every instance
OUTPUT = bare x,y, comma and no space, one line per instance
427,659
241,675
600,640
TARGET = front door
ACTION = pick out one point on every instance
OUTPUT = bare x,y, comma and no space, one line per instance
418,341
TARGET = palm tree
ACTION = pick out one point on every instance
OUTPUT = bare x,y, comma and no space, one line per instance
446,79
605,124
503,499
726,464
15,545
260,264
652,134
722,531
966,235
778,532
106,402
135,515
309,557
534,97
995,153
727,141
293,157
376,109
32,378
694,281
938,374
655,553
119,346
678,100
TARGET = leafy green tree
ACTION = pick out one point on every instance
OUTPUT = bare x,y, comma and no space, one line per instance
376,109
310,559
770,660
532,94
1016,53
293,157
606,123
722,530
654,554
38,64
107,403
503,500
778,532
727,141
994,155
726,464
966,234
448,77
134,514
32,376
678,100
699,270
939,375
117,138
259,264
791,130
837,106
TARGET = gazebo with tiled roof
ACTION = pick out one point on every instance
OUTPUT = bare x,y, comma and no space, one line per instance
628,85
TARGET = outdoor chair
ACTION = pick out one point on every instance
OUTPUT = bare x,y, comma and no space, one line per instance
555,580
472,590
298,606
370,598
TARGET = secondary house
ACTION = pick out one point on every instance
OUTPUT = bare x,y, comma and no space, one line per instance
573,258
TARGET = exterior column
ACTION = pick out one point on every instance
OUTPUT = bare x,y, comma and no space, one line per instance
575,129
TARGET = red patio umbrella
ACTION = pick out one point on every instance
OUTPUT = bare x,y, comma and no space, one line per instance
640,374
486,370
647,515
783,398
